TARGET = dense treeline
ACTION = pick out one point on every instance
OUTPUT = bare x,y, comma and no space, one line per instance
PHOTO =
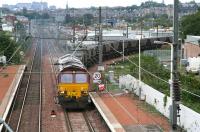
33,14
190,25
86,19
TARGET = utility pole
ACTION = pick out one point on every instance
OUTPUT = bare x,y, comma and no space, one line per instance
0,20
74,26
29,27
175,78
15,26
157,30
57,32
127,30
141,25
139,68
95,34
74,32
100,42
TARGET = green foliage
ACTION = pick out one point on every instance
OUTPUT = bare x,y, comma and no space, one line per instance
190,25
8,47
5,41
165,100
33,14
149,4
164,21
85,19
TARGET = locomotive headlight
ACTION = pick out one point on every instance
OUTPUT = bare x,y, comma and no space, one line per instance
62,92
83,92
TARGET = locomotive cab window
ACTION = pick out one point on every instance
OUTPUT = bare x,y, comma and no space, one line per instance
66,78
81,78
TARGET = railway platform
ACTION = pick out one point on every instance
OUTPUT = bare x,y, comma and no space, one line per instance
107,115
122,112
10,78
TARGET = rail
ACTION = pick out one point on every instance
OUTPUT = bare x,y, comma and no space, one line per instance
89,124
68,123
34,63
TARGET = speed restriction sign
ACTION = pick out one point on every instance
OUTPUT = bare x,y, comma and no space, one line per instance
97,76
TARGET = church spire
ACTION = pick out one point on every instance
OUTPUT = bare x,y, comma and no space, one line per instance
67,7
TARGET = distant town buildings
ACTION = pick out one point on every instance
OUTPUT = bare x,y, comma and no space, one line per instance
185,9
29,6
52,7
110,15
8,21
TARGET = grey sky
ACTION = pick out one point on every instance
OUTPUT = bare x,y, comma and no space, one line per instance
88,3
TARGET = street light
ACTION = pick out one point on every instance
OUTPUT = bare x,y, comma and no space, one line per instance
139,76
171,67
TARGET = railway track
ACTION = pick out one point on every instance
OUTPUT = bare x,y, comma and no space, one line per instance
75,121
78,121
26,109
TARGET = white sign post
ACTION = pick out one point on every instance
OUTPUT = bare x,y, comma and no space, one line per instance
97,77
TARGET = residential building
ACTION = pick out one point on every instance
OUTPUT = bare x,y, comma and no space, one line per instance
191,46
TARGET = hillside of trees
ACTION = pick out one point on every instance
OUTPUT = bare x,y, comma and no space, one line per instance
190,25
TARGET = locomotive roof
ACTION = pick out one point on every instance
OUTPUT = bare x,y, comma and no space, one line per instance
69,60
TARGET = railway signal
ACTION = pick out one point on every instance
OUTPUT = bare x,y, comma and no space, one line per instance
101,87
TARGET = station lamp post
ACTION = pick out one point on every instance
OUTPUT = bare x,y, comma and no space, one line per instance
174,86
139,69
171,61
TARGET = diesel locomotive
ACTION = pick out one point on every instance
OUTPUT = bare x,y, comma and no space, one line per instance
73,82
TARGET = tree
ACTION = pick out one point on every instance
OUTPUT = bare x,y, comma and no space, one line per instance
149,4
190,25
24,11
8,47
164,21
68,19
45,16
87,19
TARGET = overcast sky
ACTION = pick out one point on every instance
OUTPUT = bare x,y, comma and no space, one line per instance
88,3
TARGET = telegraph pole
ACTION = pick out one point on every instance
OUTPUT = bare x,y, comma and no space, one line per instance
74,27
127,30
100,42
29,27
57,32
74,32
175,78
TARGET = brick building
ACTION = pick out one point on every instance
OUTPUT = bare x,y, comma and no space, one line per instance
192,46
